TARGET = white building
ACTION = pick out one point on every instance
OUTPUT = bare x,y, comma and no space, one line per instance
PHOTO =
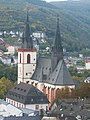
38,34
87,64
27,96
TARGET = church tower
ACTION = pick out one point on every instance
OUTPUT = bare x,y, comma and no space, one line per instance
57,49
26,56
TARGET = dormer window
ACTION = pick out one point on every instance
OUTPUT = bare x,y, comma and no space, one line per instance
24,90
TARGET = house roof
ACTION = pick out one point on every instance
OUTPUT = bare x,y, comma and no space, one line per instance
27,94
53,70
70,107
7,109
22,118
42,69
3,102
29,111
59,76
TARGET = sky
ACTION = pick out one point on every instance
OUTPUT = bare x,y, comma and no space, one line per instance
53,0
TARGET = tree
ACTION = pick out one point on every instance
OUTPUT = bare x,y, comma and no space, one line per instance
5,85
82,92
63,93
9,72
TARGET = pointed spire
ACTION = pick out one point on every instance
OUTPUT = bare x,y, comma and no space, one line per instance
27,39
57,48
27,30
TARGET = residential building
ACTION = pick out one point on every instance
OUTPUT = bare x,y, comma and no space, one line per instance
87,64
21,118
70,109
25,95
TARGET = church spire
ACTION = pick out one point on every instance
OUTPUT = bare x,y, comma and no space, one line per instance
57,48
27,39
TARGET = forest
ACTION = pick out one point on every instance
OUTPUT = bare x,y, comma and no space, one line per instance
74,20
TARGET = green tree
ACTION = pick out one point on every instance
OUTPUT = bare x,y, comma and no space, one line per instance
5,85
64,93
83,91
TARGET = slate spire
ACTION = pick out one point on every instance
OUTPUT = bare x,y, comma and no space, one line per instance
57,47
27,39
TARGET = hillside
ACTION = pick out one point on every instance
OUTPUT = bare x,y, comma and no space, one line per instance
74,19
75,22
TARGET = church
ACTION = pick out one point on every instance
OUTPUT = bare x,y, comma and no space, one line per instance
48,74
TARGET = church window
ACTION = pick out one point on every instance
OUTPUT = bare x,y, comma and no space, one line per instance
20,58
28,58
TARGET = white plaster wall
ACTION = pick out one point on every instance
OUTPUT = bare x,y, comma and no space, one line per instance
32,56
25,71
11,49
30,106
33,106
29,70
87,65
24,57
14,103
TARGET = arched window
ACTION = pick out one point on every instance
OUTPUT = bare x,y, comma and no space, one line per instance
28,58
20,58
